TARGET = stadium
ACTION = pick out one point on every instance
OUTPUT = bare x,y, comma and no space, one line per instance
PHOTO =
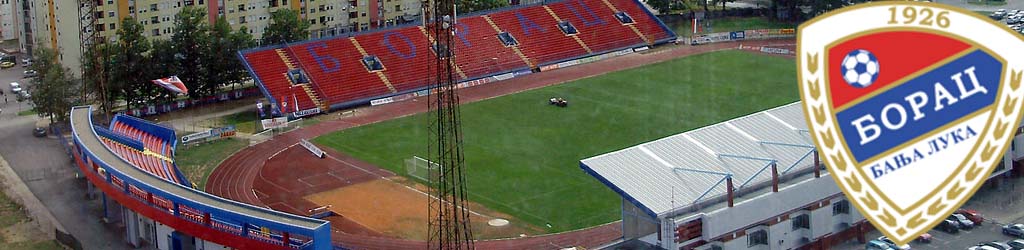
663,145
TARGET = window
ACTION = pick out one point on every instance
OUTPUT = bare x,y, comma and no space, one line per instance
110,14
241,7
398,8
323,19
110,1
113,26
801,221
241,19
364,14
99,14
99,2
507,39
321,8
154,19
152,7
297,77
100,27
156,32
759,237
312,21
312,11
567,28
841,207
353,14
623,17
273,3
372,63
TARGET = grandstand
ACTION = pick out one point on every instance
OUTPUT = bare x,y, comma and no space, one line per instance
132,163
340,72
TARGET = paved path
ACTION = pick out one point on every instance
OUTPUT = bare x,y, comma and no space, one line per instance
47,171
233,179
1010,4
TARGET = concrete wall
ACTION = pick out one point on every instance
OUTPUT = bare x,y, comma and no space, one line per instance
636,223
769,205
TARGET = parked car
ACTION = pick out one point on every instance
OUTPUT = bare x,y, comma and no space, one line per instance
972,215
948,226
998,245
893,244
15,87
924,238
40,128
6,64
878,245
30,73
963,222
1014,230
23,95
1016,244
982,247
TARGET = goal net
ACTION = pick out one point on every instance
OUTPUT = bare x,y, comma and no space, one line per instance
419,168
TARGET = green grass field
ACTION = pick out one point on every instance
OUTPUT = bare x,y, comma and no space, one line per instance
732,24
522,154
197,162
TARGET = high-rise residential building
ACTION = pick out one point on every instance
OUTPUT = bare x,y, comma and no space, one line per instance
56,23
8,23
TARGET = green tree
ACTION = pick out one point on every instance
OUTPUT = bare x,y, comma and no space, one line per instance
97,66
662,6
190,41
162,62
54,91
285,26
130,77
218,58
239,40
467,6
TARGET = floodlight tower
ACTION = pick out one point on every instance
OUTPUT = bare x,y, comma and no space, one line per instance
448,214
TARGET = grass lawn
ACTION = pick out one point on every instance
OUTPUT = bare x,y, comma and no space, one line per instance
17,232
732,24
27,112
987,2
245,122
197,162
522,155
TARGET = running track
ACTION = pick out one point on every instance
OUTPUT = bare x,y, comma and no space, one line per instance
233,179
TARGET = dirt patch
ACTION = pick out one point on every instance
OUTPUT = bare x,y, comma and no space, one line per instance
21,232
397,210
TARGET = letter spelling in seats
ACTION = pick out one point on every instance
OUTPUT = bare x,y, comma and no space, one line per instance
528,25
594,18
462,31
394,51
321,59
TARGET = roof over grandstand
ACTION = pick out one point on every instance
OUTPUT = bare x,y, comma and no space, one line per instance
683,169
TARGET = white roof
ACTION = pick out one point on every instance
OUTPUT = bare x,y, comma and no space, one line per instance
690,167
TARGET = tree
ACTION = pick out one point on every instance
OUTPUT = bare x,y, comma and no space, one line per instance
285,26
467,6
218,58
54,91
239,40
97,66
662,6
162,62
130,78
189,39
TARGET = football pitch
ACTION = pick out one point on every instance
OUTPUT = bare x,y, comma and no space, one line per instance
522,154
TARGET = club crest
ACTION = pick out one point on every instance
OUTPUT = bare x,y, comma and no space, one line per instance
911,106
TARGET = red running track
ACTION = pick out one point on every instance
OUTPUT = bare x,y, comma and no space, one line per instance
234,178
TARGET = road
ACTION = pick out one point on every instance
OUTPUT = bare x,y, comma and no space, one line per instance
45,168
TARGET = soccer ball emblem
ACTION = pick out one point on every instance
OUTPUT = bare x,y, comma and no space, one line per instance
860,68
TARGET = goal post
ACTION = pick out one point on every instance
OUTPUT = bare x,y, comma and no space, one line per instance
420,168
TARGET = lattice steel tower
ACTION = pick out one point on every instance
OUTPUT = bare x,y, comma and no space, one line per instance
449,216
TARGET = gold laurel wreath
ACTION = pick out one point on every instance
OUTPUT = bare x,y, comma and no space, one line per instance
1003,122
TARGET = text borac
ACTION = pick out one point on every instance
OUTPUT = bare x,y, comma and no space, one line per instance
894,117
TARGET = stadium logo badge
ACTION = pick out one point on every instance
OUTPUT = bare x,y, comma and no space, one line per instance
911,106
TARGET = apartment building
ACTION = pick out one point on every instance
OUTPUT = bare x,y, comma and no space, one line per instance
55,23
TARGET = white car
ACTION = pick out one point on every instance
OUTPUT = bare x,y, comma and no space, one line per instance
893,244
15,87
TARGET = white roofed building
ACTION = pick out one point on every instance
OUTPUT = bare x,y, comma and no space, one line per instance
746,183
